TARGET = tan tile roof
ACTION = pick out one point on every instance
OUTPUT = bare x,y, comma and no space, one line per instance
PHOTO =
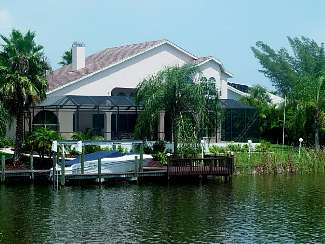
100,60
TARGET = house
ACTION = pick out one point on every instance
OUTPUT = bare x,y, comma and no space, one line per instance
96,91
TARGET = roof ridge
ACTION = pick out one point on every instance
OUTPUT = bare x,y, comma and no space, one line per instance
127,45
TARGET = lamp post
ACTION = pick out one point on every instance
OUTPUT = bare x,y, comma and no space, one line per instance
249,142
300,142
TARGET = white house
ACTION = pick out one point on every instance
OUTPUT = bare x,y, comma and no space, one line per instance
94,91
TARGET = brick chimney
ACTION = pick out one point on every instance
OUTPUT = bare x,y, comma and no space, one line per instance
78,55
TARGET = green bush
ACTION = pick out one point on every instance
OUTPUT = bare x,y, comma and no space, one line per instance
216,149
88,135
234,147
162,157
121,149
264,146
158,147
146,148
41,140
6,142
189,149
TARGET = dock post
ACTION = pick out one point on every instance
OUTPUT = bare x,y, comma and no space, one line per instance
99,170
82,161
136,166
3,167
32,165
141,158
55,162
63,168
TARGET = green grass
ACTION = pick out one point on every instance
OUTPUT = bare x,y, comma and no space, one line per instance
282,160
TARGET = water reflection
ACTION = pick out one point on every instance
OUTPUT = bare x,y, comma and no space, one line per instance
251,209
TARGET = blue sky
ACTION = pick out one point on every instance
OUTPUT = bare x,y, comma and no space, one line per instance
224,29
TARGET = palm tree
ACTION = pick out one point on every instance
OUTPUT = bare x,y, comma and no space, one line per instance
66,58
179,93
4,119
23,68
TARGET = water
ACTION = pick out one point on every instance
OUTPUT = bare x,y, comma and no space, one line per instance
251,209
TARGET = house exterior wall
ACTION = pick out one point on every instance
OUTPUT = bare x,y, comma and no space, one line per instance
127,74
211,69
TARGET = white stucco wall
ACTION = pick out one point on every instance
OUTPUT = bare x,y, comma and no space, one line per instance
212,69
127,74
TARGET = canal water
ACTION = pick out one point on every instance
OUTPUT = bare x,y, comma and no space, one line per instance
251,209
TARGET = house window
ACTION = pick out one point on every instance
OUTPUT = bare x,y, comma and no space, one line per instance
46,119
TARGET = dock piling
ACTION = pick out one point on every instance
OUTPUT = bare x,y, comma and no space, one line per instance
82,161
3,167
136,166
55,162
99,170
63,169
32,165
141,158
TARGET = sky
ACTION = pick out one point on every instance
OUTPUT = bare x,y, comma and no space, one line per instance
225,29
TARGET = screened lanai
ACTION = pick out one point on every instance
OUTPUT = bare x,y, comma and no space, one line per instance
239,121
112,117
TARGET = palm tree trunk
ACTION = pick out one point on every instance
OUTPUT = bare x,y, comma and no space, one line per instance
19,135
174,135
317,147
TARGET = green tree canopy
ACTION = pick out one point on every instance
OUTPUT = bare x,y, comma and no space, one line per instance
4,119
66,58
180,93
268,114
298,75
23,82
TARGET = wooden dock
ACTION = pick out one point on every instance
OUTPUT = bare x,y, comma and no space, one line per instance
222,166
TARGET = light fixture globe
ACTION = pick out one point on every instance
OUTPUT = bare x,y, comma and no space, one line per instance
301,140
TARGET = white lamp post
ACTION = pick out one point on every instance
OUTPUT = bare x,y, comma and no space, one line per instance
300,142
249,142
54,146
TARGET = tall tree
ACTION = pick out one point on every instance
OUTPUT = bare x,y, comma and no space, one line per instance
4,119
23,68
178,92
66,58
268,114
298,75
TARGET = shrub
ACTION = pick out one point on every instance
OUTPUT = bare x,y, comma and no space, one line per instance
158,146
189,149
216,149
41,140
6,142
162,157
146,149
264,146
88,135
234,147
121,149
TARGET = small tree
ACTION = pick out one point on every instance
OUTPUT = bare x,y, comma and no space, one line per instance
178,92
66,58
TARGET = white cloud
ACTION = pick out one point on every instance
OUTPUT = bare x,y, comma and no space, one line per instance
5,19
